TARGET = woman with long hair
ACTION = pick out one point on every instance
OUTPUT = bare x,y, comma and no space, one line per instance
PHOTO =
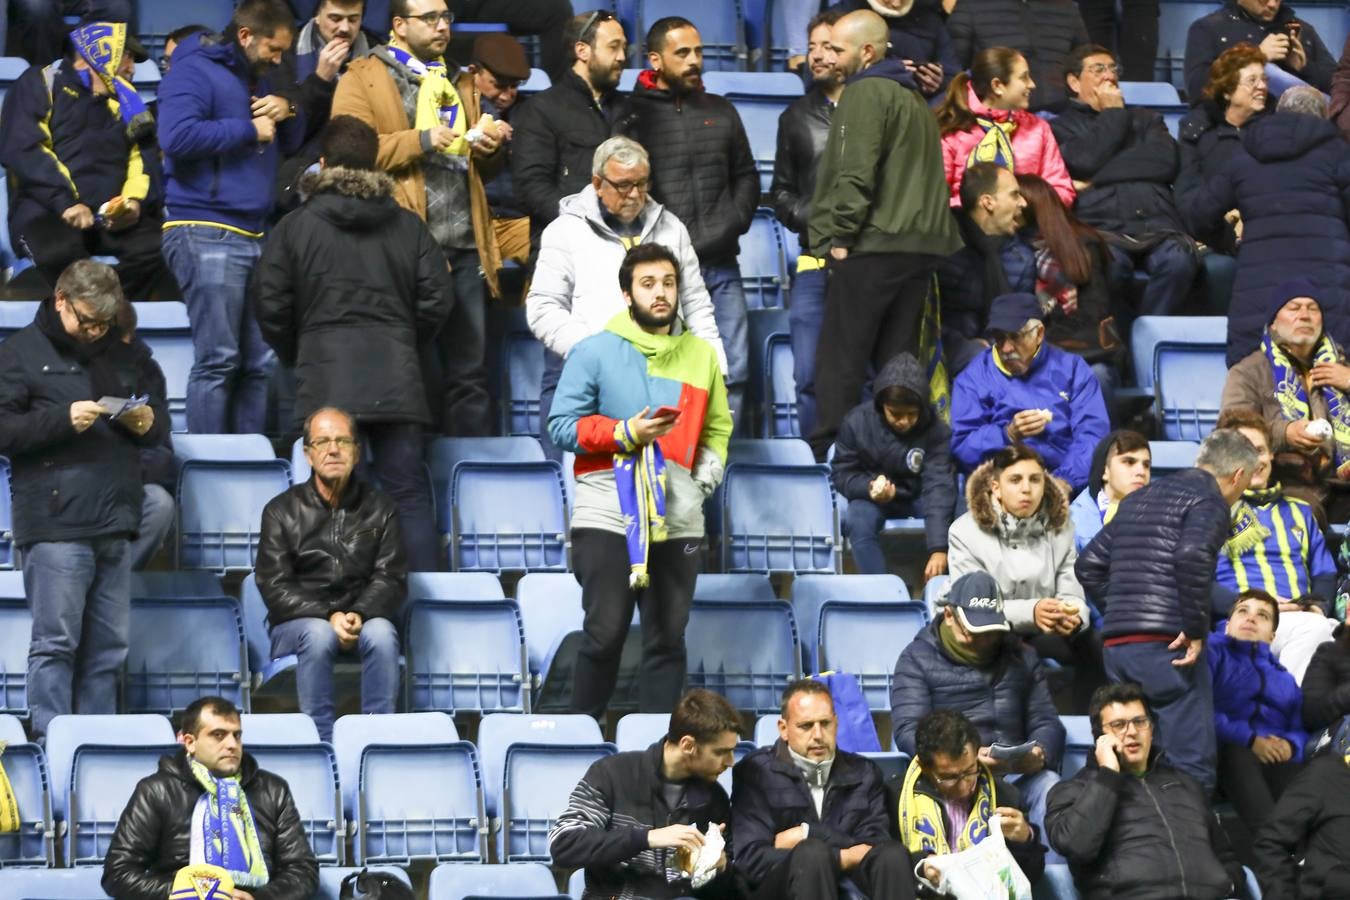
985,118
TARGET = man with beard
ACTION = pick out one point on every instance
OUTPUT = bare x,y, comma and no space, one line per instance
702,170
223,130
643,406
802,130
332,572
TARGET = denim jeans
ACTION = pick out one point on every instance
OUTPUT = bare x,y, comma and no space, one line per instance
548,386
1035,788
728,297
805,313
1171,265
399,465
157,514
79,593
862,524
227,388
315,642
463,352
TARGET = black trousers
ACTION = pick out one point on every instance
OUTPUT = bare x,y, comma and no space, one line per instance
811,872
546,18
140,265
399,465
873,309
1083,651
1253,788
601,562
1134,37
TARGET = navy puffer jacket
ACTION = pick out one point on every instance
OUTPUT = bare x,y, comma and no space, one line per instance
1291,183
1152,566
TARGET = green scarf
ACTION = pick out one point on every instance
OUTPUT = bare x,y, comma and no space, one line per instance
223,833
963,653
923,828
1293,395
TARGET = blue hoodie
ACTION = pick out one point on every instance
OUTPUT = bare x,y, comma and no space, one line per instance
217,171
1253,694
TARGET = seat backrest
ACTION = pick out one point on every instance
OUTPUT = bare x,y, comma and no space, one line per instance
102,779
310,769
171,585
445,452
352,734
550,606
764,275
453,882
863,639
159,317
1189,383
6,517
271,729
538,81
1150,331
739,586
753,85
222,448
1153,94
720,25
165,673
766,729
810,591
16,629
780,389
797,531
454,586
220,510
747,650
52,884
934,591
66,733
508,516
638,731
524,356
1172,456
15,314
789,451
1078,743
466,655
254,611
26,767
498,731
399,820
538,780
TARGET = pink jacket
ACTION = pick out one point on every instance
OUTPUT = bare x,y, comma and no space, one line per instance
1035,151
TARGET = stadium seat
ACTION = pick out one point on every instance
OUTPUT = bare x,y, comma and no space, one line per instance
257,638
790,451
465,654
1172,456
220,509
766,729
508,516
310,768
1150,332
26,767
1153,94
745,650
15,314
720,25
764,275
538,81
1078,743
168,584
760,98
331,878
445,452
352,734
798,532
222,448
95,763
524,370
1188,382
863,638
6,519
163,326
399,819
16,630
761,325
744,586
11,67
810,592
450,881
52,884
277,729
638,731
155,19
165,673
934,591
145,78
550,607
892,763
780,390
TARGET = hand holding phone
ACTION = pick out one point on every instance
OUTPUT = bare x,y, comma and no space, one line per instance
667,412
1108,752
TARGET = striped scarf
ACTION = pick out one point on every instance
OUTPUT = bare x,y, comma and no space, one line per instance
923,827
9,804
640,478
1292,394
930,354
996,144
223,833
101,46
437,100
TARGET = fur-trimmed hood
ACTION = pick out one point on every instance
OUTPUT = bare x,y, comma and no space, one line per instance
352,199
1052,516
363,184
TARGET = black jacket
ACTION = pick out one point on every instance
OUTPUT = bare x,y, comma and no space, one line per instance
1152,566
68,486
1152,837
1210,36
802,130
604,828
919,463
153,835
1044,31
702,167
314,560
1009,702
1300,851
1326,683
919,35
1130,160
769,795
75,126
346,289
554,141
1207,143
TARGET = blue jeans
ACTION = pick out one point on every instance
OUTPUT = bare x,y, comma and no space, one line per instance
862,524
1171,265
548,386
1035,788
728,297
463,346
805,313
315,642
157,514
227,388
79,593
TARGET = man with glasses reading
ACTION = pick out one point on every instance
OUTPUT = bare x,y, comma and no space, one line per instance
332,572
74,444
1129,823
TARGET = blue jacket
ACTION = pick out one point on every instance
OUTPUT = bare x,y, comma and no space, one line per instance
1291,183
1253,694
217,171
985,399
1150,569
1087,518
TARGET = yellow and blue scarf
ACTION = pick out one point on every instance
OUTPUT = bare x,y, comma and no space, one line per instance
930,352
101,45
1293,396
223,833
640,478
996,145
923,828
438,102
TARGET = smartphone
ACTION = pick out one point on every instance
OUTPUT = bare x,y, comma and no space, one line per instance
1293,29
666,412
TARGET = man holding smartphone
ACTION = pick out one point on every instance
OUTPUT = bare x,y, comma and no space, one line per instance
642,477
1284,39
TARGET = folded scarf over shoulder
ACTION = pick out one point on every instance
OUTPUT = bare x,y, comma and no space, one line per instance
923,828
640,477
438,102
223,833
1292,393
101,46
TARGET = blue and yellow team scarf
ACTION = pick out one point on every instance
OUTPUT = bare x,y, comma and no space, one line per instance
640,477
923,828
1293,396
437,100
930,354
101,45
996,145
202,882
223,833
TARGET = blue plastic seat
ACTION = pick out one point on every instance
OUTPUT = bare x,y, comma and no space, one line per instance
1189,383
1172,456
745,650
798,532
1078,743
257,638
863,638
766,729
638,731
170,584
222,448
16,631
446,452
764,275
1150,332
331,878
538,81
454,882
352,734
278,730
52,884
810,592
720,25
163,326
780,400
790,451
220,510
310,769
508,516
157,18
892,763
934,591
26,766
524,371
743,586
419,802
165,673
550,607
761,324
1153,94
6,518
759,114
466,654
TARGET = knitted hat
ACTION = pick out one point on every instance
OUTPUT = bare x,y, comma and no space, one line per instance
1288,290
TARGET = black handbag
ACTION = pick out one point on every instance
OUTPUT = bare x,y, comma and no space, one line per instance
368,885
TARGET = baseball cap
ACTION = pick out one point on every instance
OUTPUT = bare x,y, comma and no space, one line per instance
978,602
1010,312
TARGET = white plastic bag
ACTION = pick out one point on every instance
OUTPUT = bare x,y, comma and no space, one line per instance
705,866
986,871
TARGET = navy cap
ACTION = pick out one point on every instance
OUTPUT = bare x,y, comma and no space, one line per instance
1010,312
1288,290
978,602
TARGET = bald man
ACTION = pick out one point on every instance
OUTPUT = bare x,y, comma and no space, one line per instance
879,216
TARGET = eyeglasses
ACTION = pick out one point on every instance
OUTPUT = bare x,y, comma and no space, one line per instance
1252,81
89,323
342,443
600,15
624,188
953,780
1102,68
1120,726
431,19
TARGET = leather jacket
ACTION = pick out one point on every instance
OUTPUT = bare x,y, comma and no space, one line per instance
315,560
802,130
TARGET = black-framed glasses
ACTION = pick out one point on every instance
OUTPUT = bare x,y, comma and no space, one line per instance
89,323
432,19
342,443
1120,726
1100,68
594,19
624,188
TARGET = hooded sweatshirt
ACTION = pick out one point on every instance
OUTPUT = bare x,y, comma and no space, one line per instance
610,377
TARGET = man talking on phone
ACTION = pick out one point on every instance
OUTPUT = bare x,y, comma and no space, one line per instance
643,406
1131,825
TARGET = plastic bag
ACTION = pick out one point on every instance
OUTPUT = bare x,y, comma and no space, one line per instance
986,871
